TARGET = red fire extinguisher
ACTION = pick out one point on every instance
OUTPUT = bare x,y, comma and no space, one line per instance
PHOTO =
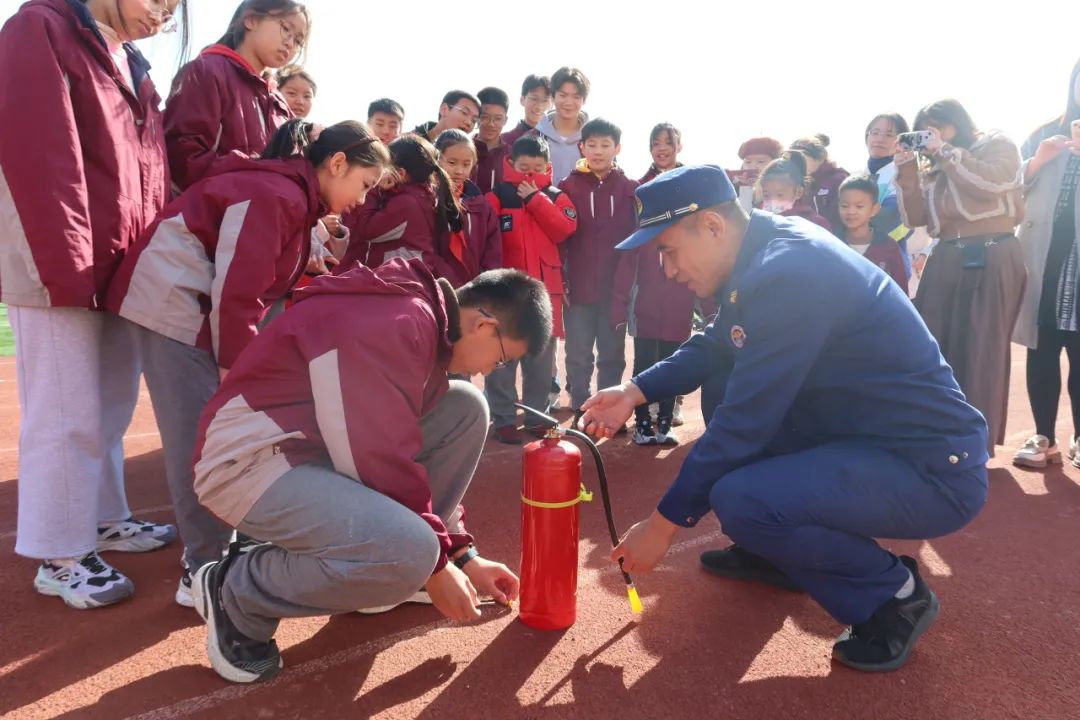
551,492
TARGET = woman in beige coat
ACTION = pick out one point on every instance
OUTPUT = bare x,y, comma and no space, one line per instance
965,187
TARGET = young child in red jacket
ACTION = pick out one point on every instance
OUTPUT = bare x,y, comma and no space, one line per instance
412,216
478,246
858,207
535,218
197,286
604,197
782,185
222,101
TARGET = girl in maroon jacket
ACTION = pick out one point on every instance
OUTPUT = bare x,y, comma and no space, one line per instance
665,144
782,185
478,246
410,217
222,101
82,172
197,285
823,189
658,313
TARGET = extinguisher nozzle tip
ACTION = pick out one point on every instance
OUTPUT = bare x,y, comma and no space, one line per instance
635,600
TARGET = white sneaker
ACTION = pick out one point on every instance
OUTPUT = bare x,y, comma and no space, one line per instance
183,590
83,583
420,597
677,418
553,402
1037,453
133,535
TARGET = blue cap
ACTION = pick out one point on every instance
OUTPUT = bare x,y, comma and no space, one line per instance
674,195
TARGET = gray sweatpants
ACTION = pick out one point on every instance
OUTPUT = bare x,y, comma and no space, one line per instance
501,386
338,545
588,326
181,379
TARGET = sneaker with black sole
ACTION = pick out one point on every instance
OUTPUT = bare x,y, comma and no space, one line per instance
183,590
663,433
83,583
420,597
133,535
737,564
233,655
644,433
884,642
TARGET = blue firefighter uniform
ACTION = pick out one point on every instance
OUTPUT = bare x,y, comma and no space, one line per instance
832,418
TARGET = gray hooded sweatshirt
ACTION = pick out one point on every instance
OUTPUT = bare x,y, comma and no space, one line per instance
564,150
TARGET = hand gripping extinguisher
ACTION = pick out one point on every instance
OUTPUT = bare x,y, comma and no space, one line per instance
551,490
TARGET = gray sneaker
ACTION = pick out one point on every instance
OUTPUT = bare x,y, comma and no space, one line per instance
83,583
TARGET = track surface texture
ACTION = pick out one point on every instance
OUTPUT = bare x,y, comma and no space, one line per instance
1003,647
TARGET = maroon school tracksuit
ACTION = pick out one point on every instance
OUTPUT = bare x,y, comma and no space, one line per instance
209,268
806,212
884,252
82,159
644,299
823,194
481,239
397,223
218,104
510,136
653,173
606,216
489,164
344,381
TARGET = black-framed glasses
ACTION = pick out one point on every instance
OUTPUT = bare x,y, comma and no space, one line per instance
502,348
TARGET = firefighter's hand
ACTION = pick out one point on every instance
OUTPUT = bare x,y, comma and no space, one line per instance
645,544
453,594
493,579
607,411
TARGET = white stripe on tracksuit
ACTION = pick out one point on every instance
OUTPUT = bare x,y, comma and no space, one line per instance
231,225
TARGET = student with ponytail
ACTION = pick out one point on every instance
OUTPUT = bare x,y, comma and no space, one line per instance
479,243
414,216
198,283
223,101
82,172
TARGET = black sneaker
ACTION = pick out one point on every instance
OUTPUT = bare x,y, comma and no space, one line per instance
663,432
884,642
738,564
233,655
644,433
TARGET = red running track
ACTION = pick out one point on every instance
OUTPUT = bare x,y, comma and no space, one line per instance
1005,645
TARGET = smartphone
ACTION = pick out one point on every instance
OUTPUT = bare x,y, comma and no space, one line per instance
914,141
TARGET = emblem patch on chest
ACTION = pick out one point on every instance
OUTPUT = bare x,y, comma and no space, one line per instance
738,336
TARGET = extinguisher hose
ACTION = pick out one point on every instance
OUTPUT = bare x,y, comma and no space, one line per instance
601,472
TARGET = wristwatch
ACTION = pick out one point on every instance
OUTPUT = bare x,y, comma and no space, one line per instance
465,557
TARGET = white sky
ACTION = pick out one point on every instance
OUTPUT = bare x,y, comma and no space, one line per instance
722,75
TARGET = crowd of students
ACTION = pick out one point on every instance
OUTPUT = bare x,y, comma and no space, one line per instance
160,242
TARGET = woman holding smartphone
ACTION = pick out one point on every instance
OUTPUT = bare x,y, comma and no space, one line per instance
966,189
